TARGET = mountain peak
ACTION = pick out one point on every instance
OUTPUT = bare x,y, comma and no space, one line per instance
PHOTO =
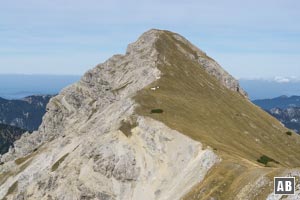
153,37
150,37
146,40
155,123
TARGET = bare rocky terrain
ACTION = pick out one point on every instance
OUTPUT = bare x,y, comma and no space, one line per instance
162,121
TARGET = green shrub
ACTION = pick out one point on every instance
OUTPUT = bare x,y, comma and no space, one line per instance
265,160
288,133
156,111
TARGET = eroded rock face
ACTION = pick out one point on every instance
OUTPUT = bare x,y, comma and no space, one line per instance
154,162
213,68
107,162
116,79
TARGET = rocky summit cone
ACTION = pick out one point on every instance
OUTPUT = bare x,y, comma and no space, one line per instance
164,121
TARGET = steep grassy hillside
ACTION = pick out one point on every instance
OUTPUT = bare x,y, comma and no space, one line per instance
251,142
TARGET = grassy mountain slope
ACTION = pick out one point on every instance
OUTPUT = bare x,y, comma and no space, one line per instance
196,104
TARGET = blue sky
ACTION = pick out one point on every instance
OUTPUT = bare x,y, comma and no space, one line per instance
253,39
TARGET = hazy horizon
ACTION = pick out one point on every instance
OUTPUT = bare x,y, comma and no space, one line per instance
279,79
17,86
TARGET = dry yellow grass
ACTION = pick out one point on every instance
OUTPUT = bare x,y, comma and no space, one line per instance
57,163
197,105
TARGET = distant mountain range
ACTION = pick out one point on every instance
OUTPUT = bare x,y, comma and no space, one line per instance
25,113
282,102
8,134
23,103
285,109
290,117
